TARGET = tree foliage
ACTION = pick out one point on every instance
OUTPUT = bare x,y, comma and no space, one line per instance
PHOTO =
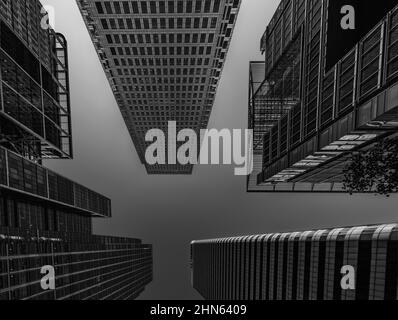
374,170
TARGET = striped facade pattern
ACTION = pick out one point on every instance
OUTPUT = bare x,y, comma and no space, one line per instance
94,268
299,265
87,266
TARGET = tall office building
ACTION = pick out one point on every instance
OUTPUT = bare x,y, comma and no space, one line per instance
299,265
164,60
45,218
316,98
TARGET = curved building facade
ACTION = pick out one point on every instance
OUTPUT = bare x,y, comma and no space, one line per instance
299,265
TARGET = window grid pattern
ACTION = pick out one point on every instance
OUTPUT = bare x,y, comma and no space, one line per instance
163,59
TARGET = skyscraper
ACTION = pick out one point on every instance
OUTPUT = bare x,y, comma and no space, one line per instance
316,99
299,265
164,60
46,219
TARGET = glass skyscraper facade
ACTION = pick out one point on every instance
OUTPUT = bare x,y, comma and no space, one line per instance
164,60
307,117
299,265
45,218
35,109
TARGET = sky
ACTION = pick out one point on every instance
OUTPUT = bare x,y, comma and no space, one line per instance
171,211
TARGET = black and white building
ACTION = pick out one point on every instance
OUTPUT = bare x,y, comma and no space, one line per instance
316,99
164,61
299,265
45,218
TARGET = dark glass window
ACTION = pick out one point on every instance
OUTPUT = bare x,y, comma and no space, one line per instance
104,23
207,6
171,6
152,5
162,7
108,7
180,6
99,7
17,50
198,6
134,5
189,6
144,8
126,7
118,9
216,7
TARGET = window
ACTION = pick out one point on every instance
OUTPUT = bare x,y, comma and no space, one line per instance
154,23
188,23
129,24
112,23
108,7
144,8
179,23
162,23
126,7
118,9
162,7
205,23
211,38
207,6
171,6
180,6
216,7
153,7
196,23
104,24
198,6
213,23
99,7
189,6
134,4
121,24
137,23
171,23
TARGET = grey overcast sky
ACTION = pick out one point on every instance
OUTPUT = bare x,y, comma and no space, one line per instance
170,211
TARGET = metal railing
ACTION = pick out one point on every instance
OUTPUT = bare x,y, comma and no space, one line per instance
22,175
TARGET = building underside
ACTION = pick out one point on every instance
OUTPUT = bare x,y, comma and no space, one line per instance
164,61
324,116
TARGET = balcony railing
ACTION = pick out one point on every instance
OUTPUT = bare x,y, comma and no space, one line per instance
22,175
35,96
357,105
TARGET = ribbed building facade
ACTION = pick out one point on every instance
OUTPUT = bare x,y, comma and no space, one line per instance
87,267
299,265
164,60
45,218
307,118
